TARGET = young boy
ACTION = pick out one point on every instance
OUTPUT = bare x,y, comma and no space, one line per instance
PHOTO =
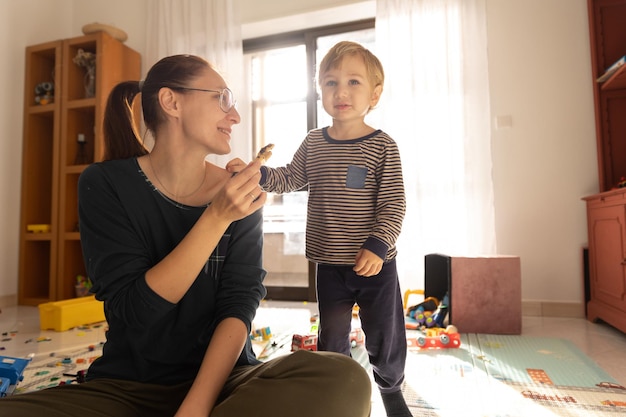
355,212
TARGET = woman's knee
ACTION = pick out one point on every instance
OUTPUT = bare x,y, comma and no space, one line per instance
347,380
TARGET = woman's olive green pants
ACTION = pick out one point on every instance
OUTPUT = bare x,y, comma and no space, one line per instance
300,384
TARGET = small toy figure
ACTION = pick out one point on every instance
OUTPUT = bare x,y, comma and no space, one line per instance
44,93
83,285
421,314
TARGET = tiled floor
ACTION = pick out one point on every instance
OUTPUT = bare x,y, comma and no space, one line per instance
21,336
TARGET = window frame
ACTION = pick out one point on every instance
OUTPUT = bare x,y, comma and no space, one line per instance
308,37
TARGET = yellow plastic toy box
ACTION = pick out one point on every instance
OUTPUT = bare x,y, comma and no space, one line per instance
65,314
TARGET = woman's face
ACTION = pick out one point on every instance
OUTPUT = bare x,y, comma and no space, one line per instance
204,120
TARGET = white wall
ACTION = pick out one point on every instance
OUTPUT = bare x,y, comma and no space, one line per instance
540,74
128,15
22,23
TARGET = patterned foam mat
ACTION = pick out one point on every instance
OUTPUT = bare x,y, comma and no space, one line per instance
488,376
510,376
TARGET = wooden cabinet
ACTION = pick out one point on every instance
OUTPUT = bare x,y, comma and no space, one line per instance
608,44
606,211
606,216
60,139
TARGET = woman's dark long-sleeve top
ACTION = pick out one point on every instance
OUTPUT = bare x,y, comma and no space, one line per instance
126,227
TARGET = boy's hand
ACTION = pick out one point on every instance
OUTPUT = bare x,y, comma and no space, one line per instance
367,263
235,165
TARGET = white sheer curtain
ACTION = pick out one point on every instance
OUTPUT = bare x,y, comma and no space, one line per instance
210,29
435,104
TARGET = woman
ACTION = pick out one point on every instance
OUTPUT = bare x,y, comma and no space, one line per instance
173,246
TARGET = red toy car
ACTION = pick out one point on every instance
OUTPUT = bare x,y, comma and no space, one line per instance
309,341
304,342
436,337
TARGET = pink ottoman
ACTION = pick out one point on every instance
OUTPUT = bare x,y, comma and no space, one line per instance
485,292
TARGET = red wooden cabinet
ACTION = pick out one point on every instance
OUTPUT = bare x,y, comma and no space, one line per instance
606,216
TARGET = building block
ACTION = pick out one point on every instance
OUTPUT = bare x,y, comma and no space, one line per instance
63,315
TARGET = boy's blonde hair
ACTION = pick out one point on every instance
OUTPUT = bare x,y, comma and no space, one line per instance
334,56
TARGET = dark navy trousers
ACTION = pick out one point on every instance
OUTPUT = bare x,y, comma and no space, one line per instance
381,314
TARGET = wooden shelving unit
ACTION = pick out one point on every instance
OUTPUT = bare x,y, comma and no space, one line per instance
606,211
53,157
608,44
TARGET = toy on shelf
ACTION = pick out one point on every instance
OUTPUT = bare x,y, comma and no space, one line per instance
44,93
38,228
83,285
436,338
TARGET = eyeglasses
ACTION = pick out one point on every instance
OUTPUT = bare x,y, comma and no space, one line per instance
227,101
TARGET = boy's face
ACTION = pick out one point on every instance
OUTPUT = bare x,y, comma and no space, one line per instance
346,90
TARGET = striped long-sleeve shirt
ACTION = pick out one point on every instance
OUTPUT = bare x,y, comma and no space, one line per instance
356,194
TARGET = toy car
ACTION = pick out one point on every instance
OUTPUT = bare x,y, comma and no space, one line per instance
356,337
304,342
309,341
436,337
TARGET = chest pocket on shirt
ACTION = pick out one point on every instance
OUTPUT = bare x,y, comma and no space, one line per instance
356,176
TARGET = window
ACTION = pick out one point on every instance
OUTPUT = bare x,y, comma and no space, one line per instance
285,106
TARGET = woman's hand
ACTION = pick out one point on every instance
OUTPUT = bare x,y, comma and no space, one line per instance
241,194
235,165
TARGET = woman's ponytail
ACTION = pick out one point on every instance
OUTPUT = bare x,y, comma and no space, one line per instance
121,136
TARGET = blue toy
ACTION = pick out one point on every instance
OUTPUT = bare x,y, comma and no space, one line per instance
439,316
11,372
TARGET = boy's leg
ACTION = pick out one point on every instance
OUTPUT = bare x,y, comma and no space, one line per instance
335,302
304,384
382,319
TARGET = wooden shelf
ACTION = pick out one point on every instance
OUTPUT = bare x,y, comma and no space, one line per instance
38,236
617,80
53,159
608,45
